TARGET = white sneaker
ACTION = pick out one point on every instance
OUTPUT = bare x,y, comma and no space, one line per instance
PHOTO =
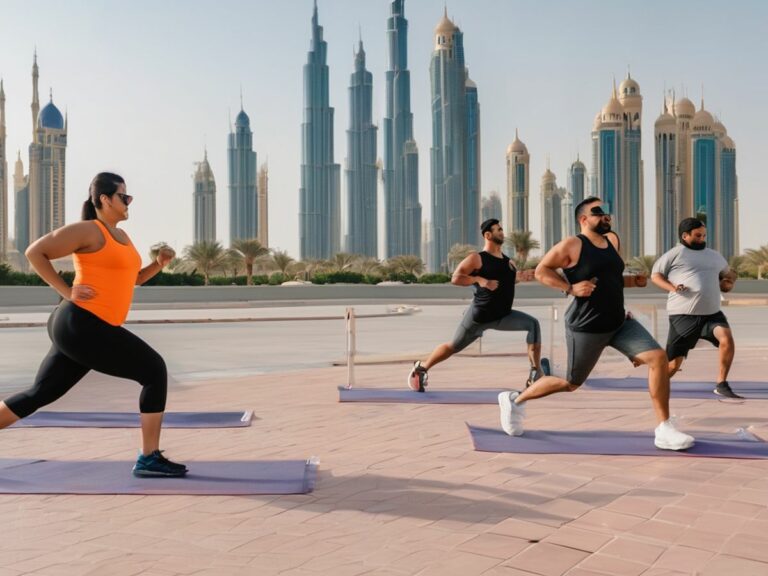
511,414
670,438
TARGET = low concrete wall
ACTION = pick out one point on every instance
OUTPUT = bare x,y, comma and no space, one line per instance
12,296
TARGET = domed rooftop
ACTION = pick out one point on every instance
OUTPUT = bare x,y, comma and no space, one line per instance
517,147
548,176
445,26
242,119
50,117
684,107
665,119
598,122
719,127
612,110
703,120
578,164
629,87
728,143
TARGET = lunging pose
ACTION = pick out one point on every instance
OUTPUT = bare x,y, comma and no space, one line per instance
493,275
86,328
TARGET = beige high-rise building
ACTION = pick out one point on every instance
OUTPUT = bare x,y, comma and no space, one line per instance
551,210
204,196
3,181
263,203
518,186
47,166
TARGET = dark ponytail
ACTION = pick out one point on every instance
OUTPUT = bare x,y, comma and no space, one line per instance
103,183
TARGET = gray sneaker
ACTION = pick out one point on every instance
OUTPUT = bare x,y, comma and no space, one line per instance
511,414
724,389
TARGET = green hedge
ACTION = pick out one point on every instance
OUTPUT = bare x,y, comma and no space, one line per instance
436,278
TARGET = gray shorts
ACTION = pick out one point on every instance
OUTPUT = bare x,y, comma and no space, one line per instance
515,321
585,348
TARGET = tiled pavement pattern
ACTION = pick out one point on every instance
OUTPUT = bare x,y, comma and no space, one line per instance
400,490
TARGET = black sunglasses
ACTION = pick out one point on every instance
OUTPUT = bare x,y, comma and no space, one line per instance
125,198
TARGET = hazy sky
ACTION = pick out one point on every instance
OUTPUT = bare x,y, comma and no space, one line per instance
148,84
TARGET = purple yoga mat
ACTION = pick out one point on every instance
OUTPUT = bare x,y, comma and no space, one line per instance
404,396
131,420
615,442
680,389
114,477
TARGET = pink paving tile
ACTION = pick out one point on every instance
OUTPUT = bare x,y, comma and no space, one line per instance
633,550
658,531
613,566
608,521
579,539
694,538
522,529
750,546
728,565
547,559
684,559
494,545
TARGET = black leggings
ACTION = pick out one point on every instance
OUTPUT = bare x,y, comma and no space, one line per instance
83,342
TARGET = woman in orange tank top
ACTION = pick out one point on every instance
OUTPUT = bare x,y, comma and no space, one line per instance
86,328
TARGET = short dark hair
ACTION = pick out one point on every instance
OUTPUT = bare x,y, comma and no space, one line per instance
488,224
687,225
582,206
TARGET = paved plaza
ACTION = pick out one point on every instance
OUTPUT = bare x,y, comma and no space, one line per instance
400,490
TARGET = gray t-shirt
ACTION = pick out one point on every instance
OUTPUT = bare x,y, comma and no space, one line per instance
699,271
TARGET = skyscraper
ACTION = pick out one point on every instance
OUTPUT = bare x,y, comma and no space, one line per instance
3,181
551,211
695,176
455,161
319,195
205,202
491,208
47,166
243,216
21,210
518,186
577,182
401,156
617,164
361,172
263,190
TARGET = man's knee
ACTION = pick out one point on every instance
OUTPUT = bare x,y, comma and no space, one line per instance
655,358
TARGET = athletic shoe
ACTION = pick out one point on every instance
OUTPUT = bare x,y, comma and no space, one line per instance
511,414
546,367
533,375
155,464
670,438
417,377
724,389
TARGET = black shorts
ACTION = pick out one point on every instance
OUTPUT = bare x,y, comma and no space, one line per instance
686,329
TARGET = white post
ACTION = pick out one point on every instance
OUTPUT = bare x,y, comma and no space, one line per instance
350,327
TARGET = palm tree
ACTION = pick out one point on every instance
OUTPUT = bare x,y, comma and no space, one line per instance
342,261
233,261
281,260
458,252
521,242
406,264
368,266
757,258
642,264
206,257
250,251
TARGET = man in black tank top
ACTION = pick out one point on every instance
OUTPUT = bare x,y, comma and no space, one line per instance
596,318
493,276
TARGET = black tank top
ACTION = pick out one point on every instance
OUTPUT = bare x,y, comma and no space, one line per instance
491,305
603,311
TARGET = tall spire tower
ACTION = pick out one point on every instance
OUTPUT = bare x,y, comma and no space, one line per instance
3,180
319,195
362,170
401,155
204,197
35,98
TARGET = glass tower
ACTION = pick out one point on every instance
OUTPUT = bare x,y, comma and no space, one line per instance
402,209
204,196
319,195
361,169
243,217
518,163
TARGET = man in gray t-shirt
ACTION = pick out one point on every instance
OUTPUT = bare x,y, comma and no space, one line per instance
694,276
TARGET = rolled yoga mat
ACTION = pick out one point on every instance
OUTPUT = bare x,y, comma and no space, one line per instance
115,477
681,389
740,444
131,420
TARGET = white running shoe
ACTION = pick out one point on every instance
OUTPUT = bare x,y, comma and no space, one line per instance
511,414
417,377
670,438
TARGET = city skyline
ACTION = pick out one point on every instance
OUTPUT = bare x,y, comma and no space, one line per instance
539,93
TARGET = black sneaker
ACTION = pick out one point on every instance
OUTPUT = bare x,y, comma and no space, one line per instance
417,377
546,367
724,389
155,464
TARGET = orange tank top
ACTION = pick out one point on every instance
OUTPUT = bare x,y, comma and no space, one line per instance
112,272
